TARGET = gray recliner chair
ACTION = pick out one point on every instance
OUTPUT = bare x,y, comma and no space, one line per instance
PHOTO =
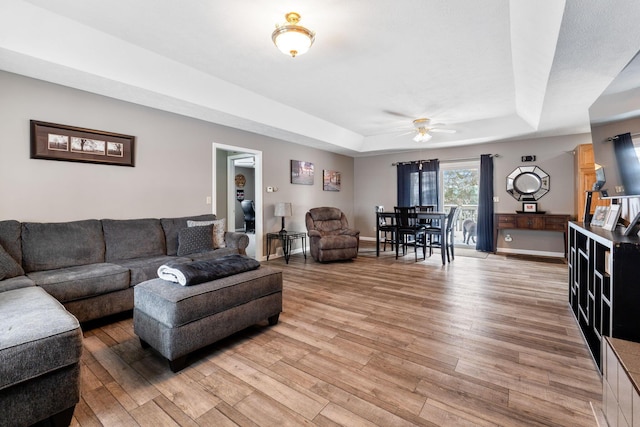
330,238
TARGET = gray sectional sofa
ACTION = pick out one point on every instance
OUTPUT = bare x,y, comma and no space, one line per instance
55,275
91,266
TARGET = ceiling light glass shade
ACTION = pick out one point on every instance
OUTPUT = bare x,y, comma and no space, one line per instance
422,135
291,38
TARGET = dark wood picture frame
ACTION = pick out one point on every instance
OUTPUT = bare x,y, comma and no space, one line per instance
53,141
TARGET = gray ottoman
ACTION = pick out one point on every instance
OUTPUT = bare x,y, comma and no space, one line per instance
177,320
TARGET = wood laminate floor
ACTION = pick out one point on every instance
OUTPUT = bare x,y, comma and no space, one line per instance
373,342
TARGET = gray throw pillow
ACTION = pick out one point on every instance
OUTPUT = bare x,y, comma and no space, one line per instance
195,239
8,266
219,226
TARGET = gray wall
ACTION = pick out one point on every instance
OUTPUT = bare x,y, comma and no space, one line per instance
376,184
173,172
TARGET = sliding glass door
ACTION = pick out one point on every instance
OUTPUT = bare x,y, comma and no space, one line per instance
459,186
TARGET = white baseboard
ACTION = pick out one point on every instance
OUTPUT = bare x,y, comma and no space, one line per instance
530,252
279,254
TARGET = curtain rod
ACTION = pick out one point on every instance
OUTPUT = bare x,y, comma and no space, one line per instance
616,137
468,159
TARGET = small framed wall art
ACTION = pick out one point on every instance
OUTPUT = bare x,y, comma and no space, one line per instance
53,141
529,207
301,172
330,180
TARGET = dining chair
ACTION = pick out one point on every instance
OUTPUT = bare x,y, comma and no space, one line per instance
434,234
425,208
407,225
387,227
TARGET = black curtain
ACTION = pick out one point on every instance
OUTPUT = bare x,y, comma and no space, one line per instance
484,228
627,162
418,183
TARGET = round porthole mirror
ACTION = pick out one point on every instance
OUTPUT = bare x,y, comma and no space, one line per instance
527,183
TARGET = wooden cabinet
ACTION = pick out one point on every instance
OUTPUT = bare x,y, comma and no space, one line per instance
604,289
585,178
544,222
620,386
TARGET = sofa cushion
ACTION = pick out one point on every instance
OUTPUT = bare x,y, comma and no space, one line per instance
8,266
133,238
142,269
172,226
84,281
213,254
48,246
192,240
10,231
337,242
16,283
36,341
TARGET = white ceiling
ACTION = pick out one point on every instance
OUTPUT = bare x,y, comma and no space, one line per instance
490,69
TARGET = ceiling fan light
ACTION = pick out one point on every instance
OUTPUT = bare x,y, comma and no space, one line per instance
291,38
422,136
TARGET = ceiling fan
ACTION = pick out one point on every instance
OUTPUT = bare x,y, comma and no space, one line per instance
423,128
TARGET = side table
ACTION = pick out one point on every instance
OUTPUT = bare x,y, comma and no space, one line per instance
287,238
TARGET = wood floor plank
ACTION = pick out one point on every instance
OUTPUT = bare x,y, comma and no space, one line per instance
190,396
107,409
376,341
131,381
151,415
287,396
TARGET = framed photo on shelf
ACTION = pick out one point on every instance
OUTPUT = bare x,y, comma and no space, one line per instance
634,226
600,216
529,207
612,218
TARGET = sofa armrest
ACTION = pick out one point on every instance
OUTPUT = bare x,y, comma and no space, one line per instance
314,233
236,240
16,283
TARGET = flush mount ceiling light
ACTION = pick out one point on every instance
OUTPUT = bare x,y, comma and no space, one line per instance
291,38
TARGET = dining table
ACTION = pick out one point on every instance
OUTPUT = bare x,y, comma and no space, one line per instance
432,216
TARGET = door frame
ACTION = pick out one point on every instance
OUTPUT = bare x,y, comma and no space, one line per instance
230,187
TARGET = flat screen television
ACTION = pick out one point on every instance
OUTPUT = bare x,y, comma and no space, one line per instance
617,167
617,112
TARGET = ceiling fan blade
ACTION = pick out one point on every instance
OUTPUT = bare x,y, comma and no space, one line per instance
405,133
442,130
397,114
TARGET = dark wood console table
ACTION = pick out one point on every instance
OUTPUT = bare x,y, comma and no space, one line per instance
541,222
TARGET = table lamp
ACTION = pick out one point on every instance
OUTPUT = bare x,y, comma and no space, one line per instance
283,209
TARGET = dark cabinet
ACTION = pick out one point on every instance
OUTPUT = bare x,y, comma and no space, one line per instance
604,284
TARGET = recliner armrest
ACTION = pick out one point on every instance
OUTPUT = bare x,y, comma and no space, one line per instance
351,232
314,233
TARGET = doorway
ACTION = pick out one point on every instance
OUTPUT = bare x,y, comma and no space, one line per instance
225,189
460,186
